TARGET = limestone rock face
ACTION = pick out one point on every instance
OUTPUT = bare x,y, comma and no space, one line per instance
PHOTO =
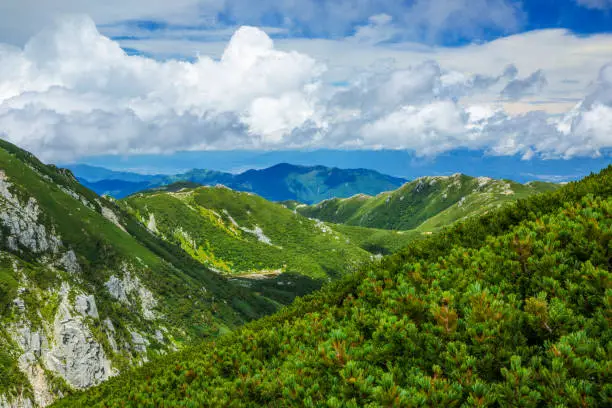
19,304
32,344
116,288
22,222
152,225
139,343
131,285
26,231
65,346
110,334
112,217
70,262
18,402
86,306
76,355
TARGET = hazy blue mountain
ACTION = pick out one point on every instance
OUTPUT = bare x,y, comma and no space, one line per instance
306,184
117,188
96,173
399,163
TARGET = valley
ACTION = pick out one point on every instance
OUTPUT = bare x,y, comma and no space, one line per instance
504,309
92,286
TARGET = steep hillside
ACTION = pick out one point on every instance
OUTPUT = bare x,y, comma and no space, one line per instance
427,203
86,291
510,309
278,183
243,234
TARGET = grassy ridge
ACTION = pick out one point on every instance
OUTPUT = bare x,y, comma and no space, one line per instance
426,203
241,233
508,309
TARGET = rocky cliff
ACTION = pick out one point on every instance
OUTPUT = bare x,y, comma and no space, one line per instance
86,291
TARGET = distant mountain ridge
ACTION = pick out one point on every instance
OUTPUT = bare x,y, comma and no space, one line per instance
306,184
426,203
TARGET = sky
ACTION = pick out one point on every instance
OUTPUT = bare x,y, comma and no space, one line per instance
529,80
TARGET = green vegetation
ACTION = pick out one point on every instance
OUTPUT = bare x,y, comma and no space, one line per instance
101,246
377,241
511,308
427,203
49,218
241,233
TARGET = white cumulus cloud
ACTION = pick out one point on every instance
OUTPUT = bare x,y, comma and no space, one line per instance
71,87
71,92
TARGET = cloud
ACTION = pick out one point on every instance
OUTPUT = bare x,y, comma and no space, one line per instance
20,19
423,20
585,130
73,88
71,92
518,88
596,4
571,63
380,28
429,130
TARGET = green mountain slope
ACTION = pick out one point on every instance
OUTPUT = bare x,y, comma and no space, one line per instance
306,184
86,291
243,234
427,203
508,309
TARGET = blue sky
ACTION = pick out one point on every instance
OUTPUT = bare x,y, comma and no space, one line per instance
529,80
528,15
580,17
569,14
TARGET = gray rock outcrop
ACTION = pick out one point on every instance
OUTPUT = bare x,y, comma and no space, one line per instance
86,306
76,355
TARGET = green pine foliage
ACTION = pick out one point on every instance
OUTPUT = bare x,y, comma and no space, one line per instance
510,309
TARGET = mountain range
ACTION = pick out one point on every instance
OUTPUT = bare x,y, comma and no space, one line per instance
91,287
306,184
506,309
